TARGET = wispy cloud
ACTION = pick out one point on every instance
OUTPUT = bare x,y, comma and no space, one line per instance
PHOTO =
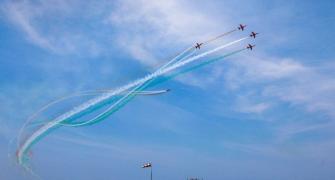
39,21
309,150
244,104
21,14
286,80
150,27
288,131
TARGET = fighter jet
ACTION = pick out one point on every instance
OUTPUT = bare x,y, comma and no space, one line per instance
250,46
150,93
146,165
198,45
241,27
253,34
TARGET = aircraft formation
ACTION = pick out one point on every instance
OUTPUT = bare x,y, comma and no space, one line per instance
241,27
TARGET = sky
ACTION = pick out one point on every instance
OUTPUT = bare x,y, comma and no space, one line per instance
262,114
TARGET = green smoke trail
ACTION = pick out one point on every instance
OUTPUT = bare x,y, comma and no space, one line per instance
71,120
110,110
210,61
172,67
149,84
180,57
73,115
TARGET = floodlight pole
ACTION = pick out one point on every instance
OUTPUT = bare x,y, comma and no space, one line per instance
151,172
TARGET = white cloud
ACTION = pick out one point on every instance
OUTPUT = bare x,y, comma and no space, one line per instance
286,132
310,150
263,68
151,26
284,80
247,104
21,13
254,108
44,25
314,91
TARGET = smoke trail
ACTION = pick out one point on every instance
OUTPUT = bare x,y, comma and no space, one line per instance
196,66
176,59
219,36
90,93
110,110
148,77
33,116
192,59
113,108
140,83
182,63
50,125
28,121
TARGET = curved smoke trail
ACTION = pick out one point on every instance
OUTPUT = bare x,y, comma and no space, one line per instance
88,93
137,85
170,68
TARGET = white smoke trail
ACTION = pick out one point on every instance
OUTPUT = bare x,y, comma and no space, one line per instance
91,93
94,101
33,116
175,59
175,66
219,36
134,89
192,59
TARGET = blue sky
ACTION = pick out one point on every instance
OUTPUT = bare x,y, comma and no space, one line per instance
266,114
